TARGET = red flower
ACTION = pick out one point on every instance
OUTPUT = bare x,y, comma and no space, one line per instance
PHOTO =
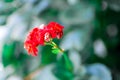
30,46
34,38
57,29
47,37
42,34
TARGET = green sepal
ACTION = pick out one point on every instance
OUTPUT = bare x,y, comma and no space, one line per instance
55,51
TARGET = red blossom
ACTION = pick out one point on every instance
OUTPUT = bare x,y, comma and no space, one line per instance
30,46
32,41
56,28
40,35
47,37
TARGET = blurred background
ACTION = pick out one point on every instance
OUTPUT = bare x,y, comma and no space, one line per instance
91,39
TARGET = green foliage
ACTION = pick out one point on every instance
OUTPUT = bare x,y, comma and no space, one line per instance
64,68
8,53
62,73
46,55
8,0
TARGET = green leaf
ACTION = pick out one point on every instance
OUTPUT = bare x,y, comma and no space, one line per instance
63,74
55,51
12,53
8,0
46,56
7,53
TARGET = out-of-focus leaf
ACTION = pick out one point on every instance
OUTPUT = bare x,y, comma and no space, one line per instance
81,73
8,0
3,20
100,48
77,14
8,53
2,72
8,8
42,5
57,4
49,14
93,78
72,2
75,39
45,73
75,59
12,53
100,71
96,3
14,77
113,4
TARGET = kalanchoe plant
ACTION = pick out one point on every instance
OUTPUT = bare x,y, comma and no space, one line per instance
43,35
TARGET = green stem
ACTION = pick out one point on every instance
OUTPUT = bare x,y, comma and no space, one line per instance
67,61
55,45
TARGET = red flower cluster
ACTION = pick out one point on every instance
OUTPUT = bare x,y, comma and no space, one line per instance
42,34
